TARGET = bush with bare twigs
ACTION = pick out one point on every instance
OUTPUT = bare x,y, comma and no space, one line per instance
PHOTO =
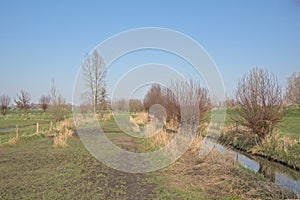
259,102
187,96
4,103
293,89
23,101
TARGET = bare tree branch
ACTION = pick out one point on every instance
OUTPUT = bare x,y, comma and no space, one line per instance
94,74
23,101
44,102
58,103
293,88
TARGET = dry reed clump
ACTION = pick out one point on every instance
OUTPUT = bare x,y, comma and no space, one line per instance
175,147
141,118
161,139
66,124
172,124
12,141
196,144
63,131
203,127
280,148
104,117
275,142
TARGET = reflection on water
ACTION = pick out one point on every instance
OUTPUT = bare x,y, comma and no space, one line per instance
280,174
248,163
287,181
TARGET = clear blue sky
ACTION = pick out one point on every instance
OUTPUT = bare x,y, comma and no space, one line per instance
41,40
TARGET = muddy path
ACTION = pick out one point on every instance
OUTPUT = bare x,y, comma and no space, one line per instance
134,186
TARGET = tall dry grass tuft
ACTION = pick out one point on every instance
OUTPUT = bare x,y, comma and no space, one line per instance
157,138
60,140
12,141
275,142
196,144
64,130
172,124
104,117
280,148
141,118
161,138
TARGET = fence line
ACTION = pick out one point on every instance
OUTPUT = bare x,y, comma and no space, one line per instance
17,128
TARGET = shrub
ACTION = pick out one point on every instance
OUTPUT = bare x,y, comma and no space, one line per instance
259,102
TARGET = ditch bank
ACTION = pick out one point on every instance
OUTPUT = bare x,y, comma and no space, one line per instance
279,173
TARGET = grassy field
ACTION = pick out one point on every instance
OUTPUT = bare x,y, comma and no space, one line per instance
35,169
289,125
26,123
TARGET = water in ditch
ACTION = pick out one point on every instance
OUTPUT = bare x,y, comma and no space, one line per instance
282,175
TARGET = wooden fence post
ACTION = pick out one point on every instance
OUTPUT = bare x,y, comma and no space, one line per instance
37,127
17,131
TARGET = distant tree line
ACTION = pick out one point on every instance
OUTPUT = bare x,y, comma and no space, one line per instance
54,102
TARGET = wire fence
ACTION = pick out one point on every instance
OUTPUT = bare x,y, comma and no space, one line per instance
25,127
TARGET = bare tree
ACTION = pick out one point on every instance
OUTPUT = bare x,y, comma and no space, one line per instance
58,103
181,98
5,101
293,88
153,96
23,101
171,105
103,97
190,97
44,102
94,73
259,102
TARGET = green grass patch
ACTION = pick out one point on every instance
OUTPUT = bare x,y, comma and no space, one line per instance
290,125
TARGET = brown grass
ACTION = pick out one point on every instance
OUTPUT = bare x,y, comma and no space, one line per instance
63,131
172,124
220,176
104,117
12,141
161,139
141,118
281,143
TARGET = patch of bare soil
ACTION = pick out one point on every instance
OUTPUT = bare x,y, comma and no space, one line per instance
122,185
